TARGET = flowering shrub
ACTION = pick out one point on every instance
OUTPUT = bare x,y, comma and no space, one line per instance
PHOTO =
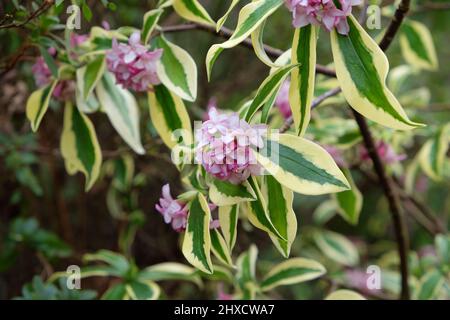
245,171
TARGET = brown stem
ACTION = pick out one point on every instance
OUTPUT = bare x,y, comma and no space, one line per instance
42,8
395,24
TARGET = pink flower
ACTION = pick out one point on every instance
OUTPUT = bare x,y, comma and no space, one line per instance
77,39
282,100
322,12
43,77
133,64
175,212
385,151
223,146
41,72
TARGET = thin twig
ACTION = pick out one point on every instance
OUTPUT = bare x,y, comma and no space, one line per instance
42,8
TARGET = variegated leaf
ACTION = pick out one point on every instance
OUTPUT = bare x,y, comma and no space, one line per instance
192,10
224,18
79,145
361,68
344,295
122,110
301,91
177,70
169,116
37,105
349,203
433,153
151,19
269,88
197,240
279,205
224,193
301,165
228,218
220,248
292,271
417,45
337,247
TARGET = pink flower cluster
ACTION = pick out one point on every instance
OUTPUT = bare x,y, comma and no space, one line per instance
385,151
133,64
176,212
282,100
322,12
224,145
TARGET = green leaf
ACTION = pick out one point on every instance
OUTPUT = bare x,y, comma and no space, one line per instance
143,290
270,87
344,295
291,272
433,153
429,285
257,37
122,110
361,68
228,218
79,145
224,193
224,18
169,271
197,240
169,116
417,46
301,91
37,105
301,165
220,248
151,19
250,17
442,245
118,262
246,272
177,70
258,213
279,205
192,10
117,292
91,74
324,212
349,203
337,247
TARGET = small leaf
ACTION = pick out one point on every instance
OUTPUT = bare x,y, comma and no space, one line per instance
246,272
224,18
220,248
118,262
169,117
292,271
258,45
177,70
151,19
337,247
349,203
79,145
361,68
117,292
223,193
344,295
270,87
282,215
122,110
169,271
228,218
197,240
192,10
433,153
37,105
417,45
143,290
429,285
